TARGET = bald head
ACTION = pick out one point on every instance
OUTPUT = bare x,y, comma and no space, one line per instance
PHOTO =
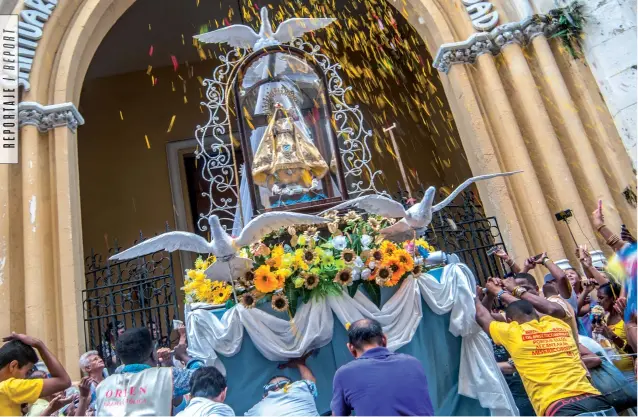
366,333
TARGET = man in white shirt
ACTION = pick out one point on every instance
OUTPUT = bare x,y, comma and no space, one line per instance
283,397
208,393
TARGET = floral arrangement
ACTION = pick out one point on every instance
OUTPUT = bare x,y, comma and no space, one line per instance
309,262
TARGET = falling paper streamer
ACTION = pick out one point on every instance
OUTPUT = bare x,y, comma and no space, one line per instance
170,126
150,51
148,144
121,115
174,61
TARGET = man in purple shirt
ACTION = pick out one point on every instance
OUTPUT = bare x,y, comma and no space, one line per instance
378,382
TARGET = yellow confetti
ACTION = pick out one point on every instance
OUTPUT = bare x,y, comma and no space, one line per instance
172,86
152,80
149,26
148,144
185,100
183,39
197,3
121,115
149,69
170,126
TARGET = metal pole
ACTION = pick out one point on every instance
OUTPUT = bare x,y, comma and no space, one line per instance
398,154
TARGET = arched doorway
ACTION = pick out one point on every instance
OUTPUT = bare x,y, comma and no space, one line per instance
144,108
489,102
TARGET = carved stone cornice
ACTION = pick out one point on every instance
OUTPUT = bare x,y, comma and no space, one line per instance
46,118
467,51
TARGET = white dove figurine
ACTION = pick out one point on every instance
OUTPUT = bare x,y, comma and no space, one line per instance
415,219
240,36
224,247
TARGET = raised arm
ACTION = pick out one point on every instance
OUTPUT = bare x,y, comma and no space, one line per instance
541,304
509,261
59,380
300,364
590,270
598,219
483,317
564,288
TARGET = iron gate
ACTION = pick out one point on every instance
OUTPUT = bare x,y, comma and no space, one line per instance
463,229
125,294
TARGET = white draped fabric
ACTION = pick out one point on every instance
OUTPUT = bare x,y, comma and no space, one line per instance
479,375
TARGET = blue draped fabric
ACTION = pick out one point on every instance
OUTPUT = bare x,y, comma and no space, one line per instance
437,349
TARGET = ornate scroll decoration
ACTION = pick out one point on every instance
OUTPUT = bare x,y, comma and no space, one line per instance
46,118
215,155
467,51
351,134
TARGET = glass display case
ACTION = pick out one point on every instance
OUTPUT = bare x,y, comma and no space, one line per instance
289,148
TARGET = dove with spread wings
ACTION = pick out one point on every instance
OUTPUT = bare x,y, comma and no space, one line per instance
244,37
415,219
223,246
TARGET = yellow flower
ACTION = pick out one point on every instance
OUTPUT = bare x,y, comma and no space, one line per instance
221,293
299,282
265,280
288,260
299,260
347,325
191,273
397,270
405,259
294,241
277,251
199,263
274,261
301,240
388,247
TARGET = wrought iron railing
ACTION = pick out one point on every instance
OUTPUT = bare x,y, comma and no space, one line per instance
463,229
124,294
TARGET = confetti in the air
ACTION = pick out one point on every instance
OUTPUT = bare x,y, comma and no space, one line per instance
175,63
170,126
149,69
121,115
148,144
150,51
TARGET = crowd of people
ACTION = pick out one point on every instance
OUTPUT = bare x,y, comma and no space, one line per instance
567,348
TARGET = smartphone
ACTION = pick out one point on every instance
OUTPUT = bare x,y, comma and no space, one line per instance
538,257
491,251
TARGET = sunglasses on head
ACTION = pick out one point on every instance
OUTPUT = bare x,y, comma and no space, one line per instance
275,386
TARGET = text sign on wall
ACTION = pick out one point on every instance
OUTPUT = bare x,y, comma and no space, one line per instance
9,89
481,14
32,19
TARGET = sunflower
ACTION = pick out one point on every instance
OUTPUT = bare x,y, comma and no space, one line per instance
383,275
274,261
248,300
351,216
348,256
404,258
281,275
388,247
311,281
265,280
418,270
333,228
344,277
397,270
377,255
221,294
279,302
309,256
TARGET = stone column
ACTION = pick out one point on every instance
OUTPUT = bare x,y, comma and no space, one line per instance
578,149
530,198
51,227
550,162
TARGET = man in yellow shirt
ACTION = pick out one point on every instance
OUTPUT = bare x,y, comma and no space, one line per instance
17,358
546,357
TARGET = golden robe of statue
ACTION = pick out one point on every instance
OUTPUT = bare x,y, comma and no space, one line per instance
286,156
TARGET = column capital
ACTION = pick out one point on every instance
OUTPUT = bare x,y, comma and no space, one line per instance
466,52
49,117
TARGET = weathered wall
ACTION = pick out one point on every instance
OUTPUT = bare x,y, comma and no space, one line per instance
609,46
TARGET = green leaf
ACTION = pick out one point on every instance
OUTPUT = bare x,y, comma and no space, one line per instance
352,290
374,292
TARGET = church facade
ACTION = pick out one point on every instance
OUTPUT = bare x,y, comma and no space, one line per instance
518,100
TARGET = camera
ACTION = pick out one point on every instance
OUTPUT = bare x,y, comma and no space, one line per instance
564,215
